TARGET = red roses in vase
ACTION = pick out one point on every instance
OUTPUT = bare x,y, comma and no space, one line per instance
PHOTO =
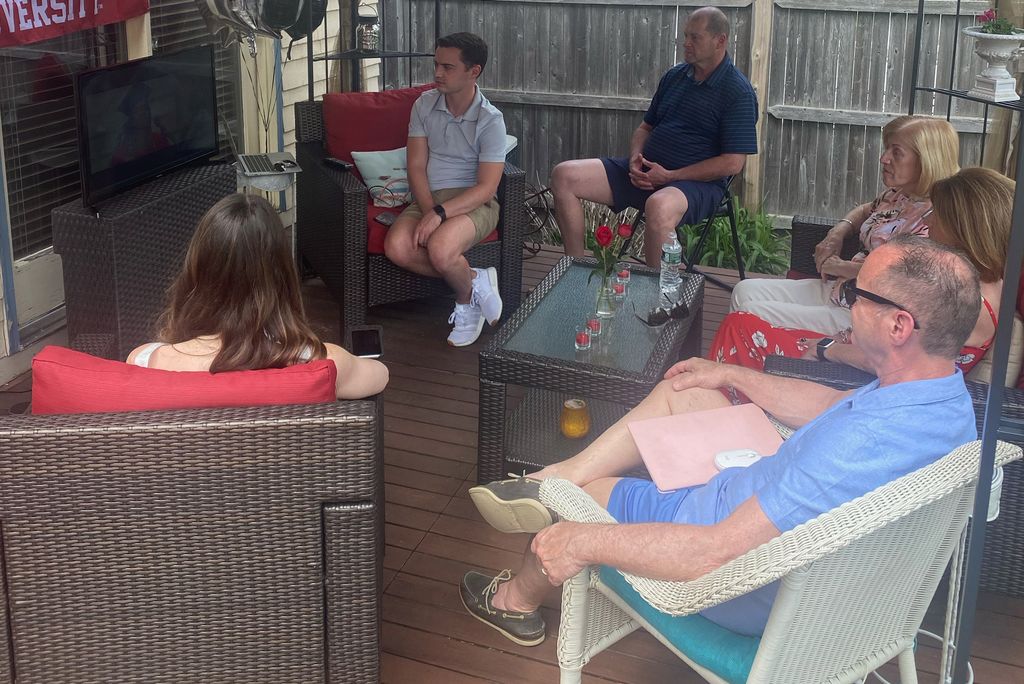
607,252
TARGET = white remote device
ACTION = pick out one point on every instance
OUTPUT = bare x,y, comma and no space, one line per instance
736,458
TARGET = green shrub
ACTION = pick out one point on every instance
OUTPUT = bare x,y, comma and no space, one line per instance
764,249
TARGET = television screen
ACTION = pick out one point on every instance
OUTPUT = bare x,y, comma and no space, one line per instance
143,118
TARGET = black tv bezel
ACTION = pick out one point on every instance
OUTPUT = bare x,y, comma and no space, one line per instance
92,196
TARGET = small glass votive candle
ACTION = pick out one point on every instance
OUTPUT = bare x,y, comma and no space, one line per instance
619,290
582,337
594,325
622,273
575,418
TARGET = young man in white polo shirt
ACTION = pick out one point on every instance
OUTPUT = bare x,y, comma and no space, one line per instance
456,155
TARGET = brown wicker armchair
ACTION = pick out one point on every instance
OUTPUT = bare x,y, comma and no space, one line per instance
807,232
218,545
332,233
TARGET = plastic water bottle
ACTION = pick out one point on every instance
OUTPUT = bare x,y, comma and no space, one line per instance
671,257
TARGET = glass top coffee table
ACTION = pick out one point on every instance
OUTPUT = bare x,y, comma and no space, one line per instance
535,349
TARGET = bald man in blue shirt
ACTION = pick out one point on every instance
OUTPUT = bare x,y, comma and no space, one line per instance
915,302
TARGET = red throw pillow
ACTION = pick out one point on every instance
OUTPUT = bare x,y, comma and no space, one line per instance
368,122
68,381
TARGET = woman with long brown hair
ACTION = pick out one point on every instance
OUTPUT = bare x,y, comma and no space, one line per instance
236,305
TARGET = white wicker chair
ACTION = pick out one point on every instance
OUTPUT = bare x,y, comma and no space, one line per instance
855,581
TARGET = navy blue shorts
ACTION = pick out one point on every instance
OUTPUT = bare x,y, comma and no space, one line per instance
702,198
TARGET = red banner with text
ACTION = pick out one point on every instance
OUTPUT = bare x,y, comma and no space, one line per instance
29,21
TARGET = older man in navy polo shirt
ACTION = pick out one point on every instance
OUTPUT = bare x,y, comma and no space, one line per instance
697,131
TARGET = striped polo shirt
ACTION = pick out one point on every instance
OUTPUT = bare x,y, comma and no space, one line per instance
694,121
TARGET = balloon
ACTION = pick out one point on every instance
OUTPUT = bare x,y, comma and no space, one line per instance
301,28
233,20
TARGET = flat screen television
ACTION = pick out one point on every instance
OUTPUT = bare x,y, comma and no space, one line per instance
143,118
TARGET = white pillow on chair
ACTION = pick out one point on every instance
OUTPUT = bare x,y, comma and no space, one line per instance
386,174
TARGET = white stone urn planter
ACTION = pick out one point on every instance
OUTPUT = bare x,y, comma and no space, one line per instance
995,83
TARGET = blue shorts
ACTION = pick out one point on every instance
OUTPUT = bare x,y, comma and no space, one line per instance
702,198
637,501
634,500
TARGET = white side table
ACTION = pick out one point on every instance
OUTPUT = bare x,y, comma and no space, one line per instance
276,182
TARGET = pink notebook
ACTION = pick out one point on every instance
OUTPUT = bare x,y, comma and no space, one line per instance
679,451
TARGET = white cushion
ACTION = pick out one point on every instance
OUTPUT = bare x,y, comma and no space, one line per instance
386,174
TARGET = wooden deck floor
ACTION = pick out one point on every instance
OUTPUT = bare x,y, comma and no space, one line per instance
434,534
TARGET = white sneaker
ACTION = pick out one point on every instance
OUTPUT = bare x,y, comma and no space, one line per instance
485,293
469,321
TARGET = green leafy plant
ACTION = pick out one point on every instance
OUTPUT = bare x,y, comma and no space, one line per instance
764,249
990,24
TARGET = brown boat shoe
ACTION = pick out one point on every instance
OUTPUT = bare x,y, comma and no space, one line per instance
513,505
477,590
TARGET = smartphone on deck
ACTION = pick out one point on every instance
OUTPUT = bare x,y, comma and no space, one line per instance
365,341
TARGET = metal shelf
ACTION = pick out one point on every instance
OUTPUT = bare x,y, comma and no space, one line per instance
354,55
1016,105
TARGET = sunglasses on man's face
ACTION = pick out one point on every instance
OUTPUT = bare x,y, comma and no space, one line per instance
663,314
851,292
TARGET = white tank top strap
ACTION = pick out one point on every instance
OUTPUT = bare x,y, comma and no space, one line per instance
142,358
307,353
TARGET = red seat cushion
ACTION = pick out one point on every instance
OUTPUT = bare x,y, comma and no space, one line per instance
68,381
368,122
377,231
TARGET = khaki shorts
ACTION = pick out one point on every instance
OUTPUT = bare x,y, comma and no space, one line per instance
484,217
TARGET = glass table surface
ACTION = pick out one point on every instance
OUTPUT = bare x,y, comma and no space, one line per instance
625,342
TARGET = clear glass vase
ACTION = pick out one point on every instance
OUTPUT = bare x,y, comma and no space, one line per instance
605,298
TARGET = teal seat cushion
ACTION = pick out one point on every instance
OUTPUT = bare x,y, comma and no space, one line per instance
728,654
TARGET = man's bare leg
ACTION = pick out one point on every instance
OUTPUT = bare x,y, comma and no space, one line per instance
596,469
615,452
445,250
662,213
399,249
572,181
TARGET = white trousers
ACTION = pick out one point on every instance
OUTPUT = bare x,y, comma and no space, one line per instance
803,304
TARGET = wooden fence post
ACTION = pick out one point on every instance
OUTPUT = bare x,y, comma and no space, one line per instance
760,60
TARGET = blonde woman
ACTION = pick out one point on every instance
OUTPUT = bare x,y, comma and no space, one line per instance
918,151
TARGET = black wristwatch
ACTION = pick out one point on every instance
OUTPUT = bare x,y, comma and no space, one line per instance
823,344
439,210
